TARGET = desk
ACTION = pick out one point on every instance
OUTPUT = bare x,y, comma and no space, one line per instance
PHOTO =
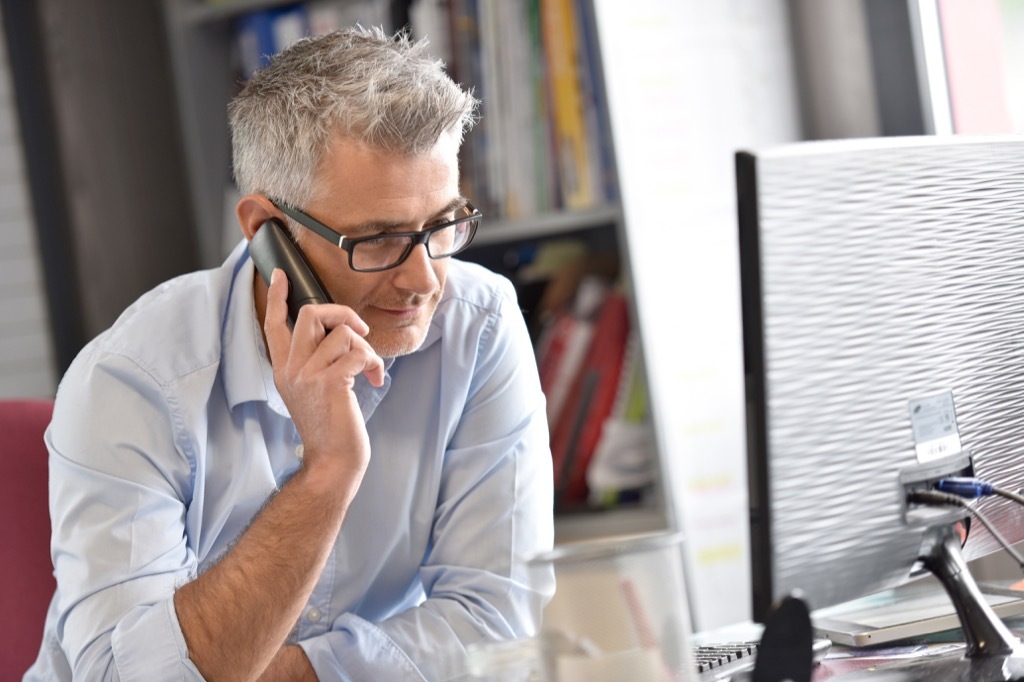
844,661
943,653
943,650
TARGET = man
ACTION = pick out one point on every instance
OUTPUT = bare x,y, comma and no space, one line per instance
351,498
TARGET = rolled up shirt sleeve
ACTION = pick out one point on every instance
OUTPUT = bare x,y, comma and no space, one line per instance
117,491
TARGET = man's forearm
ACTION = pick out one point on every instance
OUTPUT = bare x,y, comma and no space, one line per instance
236,616
289,665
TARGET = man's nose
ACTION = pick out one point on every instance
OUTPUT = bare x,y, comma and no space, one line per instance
417,272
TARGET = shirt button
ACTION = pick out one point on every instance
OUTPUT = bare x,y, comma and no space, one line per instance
314,614
300,451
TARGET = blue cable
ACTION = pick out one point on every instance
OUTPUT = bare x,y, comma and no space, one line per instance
969,488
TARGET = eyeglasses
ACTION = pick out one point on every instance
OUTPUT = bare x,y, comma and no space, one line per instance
383,251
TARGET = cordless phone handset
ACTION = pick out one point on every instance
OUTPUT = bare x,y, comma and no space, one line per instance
272,247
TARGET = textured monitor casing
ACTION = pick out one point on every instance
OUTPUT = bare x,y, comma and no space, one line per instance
876,272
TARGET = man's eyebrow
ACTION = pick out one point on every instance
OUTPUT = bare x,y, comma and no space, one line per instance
452,206
379,226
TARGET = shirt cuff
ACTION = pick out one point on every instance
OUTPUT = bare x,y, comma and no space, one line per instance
358,650
148,639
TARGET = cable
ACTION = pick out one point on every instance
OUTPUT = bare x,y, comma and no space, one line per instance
961,486
1008,495
971,488
935,497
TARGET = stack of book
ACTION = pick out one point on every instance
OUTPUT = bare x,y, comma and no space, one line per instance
589,366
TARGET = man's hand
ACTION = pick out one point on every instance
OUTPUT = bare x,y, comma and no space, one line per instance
315,367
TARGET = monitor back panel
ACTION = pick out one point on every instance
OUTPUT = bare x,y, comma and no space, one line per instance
887,271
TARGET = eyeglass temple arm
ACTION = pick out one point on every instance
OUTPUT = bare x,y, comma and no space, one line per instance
313,224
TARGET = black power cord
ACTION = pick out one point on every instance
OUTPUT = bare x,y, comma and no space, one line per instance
939,498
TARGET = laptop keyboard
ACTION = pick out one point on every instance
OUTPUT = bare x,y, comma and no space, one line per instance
717,660
720,660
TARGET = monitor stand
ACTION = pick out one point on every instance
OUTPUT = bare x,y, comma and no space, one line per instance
993,653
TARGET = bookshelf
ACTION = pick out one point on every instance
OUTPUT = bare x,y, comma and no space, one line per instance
201,36
545,226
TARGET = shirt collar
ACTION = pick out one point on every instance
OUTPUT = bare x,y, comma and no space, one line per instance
246,371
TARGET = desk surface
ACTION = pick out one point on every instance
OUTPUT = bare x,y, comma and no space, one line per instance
942,653
944,650
844,660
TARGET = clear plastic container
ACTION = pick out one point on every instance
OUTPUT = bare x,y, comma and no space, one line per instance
514,661
619,611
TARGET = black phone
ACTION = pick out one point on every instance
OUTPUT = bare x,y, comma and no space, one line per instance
272,247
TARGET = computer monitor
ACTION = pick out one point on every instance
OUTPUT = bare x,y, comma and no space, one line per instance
883,316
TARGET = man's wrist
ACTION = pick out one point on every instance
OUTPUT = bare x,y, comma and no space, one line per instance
330,476
290,664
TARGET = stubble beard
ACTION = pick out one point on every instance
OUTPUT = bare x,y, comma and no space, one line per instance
397,341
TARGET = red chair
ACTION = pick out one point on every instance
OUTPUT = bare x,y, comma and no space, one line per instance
26,574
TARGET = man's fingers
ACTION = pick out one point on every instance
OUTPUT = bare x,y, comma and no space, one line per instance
360,359
315,322
322,335
374,371
331,315
346,350
275,323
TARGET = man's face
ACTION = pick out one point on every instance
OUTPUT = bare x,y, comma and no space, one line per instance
372,192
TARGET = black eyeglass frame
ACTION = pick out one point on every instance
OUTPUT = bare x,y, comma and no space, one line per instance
348,244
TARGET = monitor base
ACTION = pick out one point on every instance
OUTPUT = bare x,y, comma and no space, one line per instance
984,632
993,654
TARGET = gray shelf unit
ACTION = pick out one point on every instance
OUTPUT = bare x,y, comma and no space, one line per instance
200,38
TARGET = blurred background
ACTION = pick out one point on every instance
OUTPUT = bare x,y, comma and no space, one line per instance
115,163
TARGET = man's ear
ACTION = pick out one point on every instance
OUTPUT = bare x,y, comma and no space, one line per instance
253,210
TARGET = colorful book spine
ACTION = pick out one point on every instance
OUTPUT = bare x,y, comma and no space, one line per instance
590,401
599,127
559,26
543,134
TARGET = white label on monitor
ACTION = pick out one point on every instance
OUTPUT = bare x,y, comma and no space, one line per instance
933,420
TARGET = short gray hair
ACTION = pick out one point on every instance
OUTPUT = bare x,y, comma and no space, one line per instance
381,90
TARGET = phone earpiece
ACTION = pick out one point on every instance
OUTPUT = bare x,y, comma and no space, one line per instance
272,247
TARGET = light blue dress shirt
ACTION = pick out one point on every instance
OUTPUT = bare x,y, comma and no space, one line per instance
168,435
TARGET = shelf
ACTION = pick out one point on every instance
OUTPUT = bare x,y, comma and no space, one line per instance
622,521
545,225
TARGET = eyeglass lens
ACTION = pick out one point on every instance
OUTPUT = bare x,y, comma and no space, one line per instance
388,250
